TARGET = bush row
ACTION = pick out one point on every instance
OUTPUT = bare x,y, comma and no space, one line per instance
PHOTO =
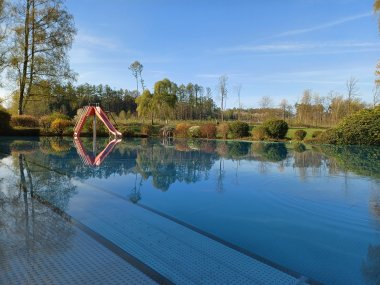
211,131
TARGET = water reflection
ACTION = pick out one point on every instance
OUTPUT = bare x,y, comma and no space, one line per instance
190,161
91,159
27,226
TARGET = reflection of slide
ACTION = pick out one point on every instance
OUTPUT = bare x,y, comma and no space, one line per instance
91,161
91,111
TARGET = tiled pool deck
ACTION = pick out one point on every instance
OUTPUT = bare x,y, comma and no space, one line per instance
116,242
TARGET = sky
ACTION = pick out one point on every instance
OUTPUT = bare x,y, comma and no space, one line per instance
272,48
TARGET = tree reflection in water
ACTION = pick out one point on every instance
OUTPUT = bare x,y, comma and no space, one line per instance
27,226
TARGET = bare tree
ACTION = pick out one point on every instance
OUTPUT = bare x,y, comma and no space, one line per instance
265,102
222,88
238,90
284,105
375,95
352,91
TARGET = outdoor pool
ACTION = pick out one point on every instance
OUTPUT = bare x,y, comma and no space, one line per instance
189,211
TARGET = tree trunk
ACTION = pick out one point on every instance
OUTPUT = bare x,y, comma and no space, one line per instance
25,59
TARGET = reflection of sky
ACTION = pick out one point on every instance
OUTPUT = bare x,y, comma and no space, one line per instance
6,175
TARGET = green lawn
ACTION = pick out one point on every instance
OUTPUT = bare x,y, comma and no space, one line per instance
309,131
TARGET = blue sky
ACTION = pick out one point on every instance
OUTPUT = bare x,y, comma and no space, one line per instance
272,48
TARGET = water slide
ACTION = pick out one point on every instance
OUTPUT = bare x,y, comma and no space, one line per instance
91,111
104,118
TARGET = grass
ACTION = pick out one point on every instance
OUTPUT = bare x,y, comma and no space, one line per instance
309,131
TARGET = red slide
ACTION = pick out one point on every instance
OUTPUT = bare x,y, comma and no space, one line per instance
104,118
91,111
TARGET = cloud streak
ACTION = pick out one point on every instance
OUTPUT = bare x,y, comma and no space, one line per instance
320,47
324,26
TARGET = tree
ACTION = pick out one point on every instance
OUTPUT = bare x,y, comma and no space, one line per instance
3,49
165,96
238,90
352,91
284,105
265,102
375,95
222,88
43,32
145,105
136,68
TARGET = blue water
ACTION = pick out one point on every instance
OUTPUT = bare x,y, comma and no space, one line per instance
313,210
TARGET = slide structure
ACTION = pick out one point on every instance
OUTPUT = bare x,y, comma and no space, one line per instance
94,161
94,111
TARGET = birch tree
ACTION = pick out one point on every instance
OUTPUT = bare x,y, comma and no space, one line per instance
43,32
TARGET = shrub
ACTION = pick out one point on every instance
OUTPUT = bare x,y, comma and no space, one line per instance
26,121
239,129
128,132
259,133
277,129
361,128
223,129
58,126
5,118
316,134
181,130
147,130
299,135
195,131
45,121
208,131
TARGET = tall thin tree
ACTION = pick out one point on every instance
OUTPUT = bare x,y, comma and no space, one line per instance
136,68
222,88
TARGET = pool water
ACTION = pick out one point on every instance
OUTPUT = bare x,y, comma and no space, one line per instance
312,210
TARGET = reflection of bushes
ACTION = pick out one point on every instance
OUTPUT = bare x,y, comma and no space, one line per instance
60,145
208,146
238,149
371,267
24,146
194,144
299,147
358,159
181,145
271,151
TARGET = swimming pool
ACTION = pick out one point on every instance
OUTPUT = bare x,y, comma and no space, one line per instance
178,211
